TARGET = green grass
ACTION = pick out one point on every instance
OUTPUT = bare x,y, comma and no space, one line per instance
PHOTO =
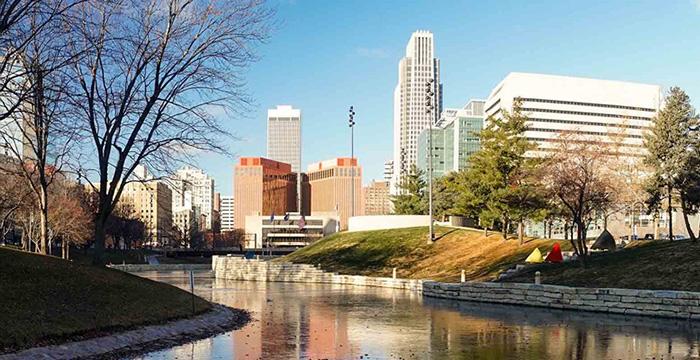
658,265
375,253
47,300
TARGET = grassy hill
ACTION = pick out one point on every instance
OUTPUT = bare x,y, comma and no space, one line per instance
375,253
659,265
49,300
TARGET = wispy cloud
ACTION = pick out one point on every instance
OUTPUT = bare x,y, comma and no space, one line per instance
696,3
374,53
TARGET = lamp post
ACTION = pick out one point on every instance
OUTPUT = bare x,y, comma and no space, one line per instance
429,94
351,124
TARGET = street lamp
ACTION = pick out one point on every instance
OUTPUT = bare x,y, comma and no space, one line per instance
429,94
351,124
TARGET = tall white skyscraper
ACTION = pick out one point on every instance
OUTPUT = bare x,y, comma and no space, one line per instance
284,135
410,116
193,190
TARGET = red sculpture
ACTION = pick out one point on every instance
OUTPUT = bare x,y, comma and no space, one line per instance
555,256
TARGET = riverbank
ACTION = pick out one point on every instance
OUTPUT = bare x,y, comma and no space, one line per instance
651,265
49,301
376,253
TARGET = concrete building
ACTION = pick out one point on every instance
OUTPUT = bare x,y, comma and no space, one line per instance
455,139
601,111
227,211
410,116
263,187
152,203
193,190
331,188
376,198
263,232
284,136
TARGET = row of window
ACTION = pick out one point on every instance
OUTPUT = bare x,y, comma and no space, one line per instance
585,132
585,113
590,123
556,140
610,106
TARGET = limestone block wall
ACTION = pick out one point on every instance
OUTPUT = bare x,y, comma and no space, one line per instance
160,267
661,303
234,268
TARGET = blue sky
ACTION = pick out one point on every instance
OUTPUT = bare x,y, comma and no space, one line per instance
326,55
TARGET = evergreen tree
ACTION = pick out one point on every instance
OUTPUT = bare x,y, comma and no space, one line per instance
411,199
672,153
501,181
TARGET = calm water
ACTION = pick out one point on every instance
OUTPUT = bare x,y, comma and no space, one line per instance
318,321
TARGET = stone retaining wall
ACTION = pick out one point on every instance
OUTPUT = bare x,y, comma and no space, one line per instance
253,270
661,303
160,267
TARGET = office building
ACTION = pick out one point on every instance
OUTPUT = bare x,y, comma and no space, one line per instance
294,231
263,187
193,190
227,211
599,111
152,204
455,139
284,136
332,184
376,198
410,116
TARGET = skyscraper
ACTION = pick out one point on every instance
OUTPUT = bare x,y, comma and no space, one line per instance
284,136
193,190
262,187
331,185
410,116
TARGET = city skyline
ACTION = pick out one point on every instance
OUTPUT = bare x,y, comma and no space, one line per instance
477,45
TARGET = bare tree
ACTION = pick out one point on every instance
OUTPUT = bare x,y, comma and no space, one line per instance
37,127
578,177
154,70
12,195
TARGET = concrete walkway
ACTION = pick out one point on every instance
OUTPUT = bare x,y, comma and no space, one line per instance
144,339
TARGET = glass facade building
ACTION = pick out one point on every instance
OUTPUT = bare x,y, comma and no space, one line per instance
455,138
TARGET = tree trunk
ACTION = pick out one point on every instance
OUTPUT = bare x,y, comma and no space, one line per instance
656,226
549,229
100,234
504,228
43,223
486,231
605,221
521,230
566,230
685,219
670,214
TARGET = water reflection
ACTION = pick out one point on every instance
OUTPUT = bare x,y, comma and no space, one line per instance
319,321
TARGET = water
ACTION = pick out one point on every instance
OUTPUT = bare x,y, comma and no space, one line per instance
320,321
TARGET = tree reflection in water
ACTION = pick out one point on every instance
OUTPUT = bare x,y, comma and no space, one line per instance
314,321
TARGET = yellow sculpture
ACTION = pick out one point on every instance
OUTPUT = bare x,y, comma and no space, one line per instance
535,257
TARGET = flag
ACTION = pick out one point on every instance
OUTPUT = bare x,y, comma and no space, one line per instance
286,216
302,222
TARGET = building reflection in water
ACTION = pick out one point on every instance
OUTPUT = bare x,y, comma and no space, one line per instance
320,321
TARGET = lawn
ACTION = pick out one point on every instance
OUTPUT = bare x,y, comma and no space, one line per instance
659,265
48,300
375,253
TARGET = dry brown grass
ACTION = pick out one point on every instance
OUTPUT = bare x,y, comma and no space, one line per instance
375,253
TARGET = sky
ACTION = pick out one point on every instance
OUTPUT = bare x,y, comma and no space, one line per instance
325,55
